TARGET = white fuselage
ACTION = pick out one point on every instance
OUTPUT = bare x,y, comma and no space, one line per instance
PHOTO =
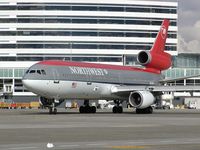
60,80
70,89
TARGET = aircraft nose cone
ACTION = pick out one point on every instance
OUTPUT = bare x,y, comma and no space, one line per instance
26,83
33,86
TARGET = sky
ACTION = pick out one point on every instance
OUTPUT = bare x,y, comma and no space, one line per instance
189,26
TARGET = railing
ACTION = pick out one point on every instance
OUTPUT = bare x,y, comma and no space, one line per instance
182,84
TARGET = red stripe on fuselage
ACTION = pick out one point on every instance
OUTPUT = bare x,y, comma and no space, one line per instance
93,65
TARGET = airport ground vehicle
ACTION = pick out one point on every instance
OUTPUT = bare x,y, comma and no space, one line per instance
71,104
10,104
164,105
192,105
104,104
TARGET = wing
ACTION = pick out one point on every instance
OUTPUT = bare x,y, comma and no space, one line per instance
161,88
178,79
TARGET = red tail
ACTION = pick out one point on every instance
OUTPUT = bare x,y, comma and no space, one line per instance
157,59
159,44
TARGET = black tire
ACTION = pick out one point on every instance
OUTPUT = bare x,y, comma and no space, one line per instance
50,110
138,111
55,111
114,109
88,109
82,109
93,109
149,110
120,109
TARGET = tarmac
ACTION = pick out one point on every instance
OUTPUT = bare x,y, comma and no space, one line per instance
68,130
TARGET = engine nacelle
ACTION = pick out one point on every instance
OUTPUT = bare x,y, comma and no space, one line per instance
48,102
158,61
141,99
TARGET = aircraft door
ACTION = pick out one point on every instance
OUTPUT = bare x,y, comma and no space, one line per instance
56,76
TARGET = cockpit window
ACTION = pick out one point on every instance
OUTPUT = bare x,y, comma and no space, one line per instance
38,71
27,71
43,72
32,71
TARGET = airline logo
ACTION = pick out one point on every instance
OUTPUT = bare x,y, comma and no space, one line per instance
88,71
163,32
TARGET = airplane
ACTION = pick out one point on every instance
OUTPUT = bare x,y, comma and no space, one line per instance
54,81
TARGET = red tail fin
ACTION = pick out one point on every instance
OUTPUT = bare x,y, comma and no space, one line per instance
159,44
157,60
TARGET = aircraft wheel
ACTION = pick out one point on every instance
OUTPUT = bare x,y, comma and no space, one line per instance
117,109
120,109
149,110
114,109
87,109
93,109
55,111
141,111
82,109
50,110
138,111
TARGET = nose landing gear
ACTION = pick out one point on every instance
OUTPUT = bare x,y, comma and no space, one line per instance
52,108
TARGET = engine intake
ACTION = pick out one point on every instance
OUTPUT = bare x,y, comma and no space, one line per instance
144,58
141,99
158,61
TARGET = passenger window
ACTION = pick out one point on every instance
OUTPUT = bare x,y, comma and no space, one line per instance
32,71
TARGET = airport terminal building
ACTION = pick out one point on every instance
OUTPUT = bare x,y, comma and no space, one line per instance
77,30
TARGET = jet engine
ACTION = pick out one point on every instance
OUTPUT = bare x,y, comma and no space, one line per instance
141,99
159,61
48,102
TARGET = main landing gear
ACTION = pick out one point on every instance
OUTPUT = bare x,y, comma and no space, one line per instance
86,108
117,108
148,110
